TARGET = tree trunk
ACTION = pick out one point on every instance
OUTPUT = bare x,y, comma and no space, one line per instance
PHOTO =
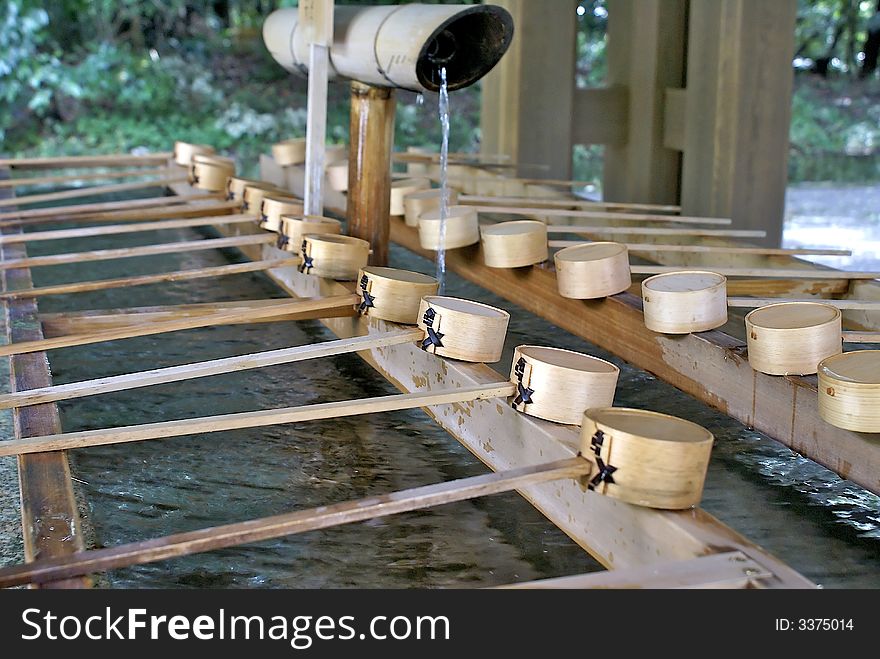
872,46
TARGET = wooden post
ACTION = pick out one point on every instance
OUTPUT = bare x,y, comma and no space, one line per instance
369,169
527,99
737,111
645,57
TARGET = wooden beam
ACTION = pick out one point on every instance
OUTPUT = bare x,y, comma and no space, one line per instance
772,273
528,98
739,83
645,56
369,167
674,124
255,530
653,231
755,302
50,521
713,249
154,213
602,116
724,379
599,215
88,176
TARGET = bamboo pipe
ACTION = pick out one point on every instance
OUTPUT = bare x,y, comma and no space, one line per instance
656,231
773,273
258,419
95,320
112,229
43,180
66,212
714,249
229,535
143,280
596,215
543,202
239,315
195,370
755,302
91,191
71,162
136,214
128,252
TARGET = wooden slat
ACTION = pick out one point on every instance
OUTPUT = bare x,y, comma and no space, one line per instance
152,213
195,370
94,190
144,280
51,526
596,215
723,380
99,320
755,302
674,124
130,252
62,162
67,212
730,570
714,249
654,231
773,273
317,305
348,512
258,419
544,202
114,229
88,176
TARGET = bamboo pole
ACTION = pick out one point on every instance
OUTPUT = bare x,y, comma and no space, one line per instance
67,212
195,370
88,176
755,302
145,250
237,315
772,273
596,215
143,280
92,191
714,249
112,229
544,202
71,162
656,231
256,530
258,419
136,214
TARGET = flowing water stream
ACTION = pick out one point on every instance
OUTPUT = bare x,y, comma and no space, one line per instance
444,178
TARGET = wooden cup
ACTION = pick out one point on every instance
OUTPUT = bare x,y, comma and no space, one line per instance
235,187
646,458
421,201
337,176
392,294
273,206
252,197
462,228
332,256
592,270
289,152
184,152
849,390
403,187
791,338
514,244
211,176
558,385
294,227
461,329
685,301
